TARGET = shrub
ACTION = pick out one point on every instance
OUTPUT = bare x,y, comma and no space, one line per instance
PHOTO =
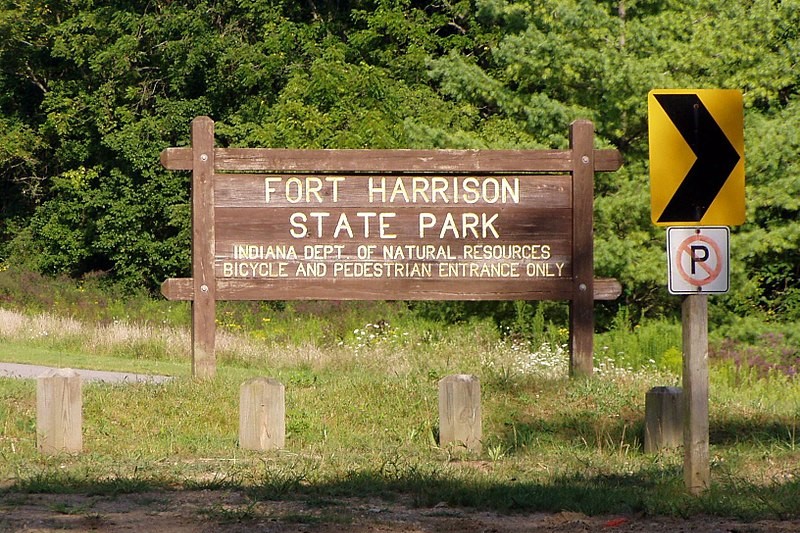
771,353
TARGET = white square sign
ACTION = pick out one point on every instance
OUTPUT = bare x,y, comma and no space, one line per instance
698,259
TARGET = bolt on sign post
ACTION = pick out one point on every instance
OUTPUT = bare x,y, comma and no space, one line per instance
696,183
279,224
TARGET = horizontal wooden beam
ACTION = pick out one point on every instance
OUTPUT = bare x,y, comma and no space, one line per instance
389,161
234,289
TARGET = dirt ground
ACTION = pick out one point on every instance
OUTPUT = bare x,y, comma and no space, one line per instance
209,511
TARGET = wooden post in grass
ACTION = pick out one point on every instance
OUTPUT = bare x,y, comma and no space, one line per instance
262,414
204,364
696,468
581,306
460,411
663,426
59,417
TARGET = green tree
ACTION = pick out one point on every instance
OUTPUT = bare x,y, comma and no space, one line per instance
90,94
559,60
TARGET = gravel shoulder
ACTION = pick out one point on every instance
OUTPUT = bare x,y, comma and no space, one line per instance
232,511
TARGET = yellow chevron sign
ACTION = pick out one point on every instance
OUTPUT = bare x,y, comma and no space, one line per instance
696,157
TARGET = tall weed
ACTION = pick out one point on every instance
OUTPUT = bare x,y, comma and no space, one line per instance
652,344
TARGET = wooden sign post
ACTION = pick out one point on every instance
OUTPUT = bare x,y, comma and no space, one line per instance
280,224
696,463
697,180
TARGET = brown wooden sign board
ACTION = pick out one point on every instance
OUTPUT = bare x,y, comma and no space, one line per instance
278,224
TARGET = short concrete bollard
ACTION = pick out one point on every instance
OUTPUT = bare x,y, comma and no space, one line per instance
59,412
460,411
262,414
663,427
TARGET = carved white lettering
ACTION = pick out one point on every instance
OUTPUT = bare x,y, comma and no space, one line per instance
308,189
434,190
467,227
319,224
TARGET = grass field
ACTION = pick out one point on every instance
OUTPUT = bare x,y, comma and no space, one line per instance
362,416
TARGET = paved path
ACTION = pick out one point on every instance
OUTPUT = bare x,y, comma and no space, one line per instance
15,370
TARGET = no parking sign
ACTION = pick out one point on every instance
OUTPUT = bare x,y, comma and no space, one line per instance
698,260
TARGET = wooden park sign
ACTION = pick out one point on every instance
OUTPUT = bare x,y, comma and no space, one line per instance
280,224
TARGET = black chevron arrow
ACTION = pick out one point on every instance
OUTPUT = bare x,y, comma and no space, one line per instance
716,157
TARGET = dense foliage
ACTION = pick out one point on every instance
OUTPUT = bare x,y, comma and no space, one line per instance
91,92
